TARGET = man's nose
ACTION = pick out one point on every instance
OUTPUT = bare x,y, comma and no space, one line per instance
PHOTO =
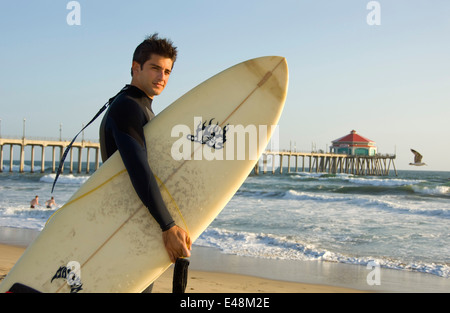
162,75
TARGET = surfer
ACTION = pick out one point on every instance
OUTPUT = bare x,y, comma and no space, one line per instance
34,203
122,129
50,202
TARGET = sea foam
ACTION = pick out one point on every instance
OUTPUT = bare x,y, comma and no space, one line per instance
65,179
278,247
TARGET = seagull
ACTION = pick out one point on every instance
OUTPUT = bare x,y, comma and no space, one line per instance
417,159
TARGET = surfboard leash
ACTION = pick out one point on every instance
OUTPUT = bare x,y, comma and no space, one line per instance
66,151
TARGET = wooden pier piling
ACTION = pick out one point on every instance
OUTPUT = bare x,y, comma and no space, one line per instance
43,144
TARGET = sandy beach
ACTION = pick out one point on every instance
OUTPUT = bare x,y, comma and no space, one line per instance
201,278
211,271
216,282
200,281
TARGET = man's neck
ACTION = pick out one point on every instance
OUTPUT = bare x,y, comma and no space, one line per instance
141,89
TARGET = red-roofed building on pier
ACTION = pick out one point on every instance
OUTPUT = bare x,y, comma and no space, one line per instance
354,144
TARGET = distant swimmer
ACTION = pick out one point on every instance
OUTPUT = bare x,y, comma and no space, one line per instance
34,202
50,202
417,159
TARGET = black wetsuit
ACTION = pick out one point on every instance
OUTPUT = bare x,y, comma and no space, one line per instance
122,129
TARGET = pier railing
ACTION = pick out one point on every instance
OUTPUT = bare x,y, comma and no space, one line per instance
377,165
54,145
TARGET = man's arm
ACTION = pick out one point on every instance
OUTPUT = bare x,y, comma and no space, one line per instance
130,142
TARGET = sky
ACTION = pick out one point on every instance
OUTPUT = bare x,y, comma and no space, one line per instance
381,68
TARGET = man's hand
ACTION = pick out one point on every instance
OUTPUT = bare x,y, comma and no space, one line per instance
177,243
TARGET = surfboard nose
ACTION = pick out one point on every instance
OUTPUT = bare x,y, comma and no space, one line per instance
273,73
267,63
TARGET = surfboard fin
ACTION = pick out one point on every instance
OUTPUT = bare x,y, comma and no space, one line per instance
21,288
180,275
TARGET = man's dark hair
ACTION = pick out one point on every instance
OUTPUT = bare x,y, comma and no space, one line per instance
154,45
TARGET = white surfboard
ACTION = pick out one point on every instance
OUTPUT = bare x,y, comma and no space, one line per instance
201,149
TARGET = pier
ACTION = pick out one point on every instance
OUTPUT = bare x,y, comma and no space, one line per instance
377,165
42,145
332,163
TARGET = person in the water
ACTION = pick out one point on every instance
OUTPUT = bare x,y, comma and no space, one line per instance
50,202
34,203
122,129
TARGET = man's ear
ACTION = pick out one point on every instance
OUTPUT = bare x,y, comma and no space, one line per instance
135,66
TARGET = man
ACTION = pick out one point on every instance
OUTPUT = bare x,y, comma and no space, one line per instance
122,129
50,202
34,203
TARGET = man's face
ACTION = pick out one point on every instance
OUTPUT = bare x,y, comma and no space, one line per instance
154,75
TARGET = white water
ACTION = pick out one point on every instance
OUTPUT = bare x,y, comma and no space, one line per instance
399,222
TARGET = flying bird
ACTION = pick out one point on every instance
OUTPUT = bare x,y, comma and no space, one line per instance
417,159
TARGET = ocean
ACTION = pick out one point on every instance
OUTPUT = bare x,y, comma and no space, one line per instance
400,222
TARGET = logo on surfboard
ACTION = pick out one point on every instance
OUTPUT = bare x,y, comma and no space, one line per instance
72,273
210,134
